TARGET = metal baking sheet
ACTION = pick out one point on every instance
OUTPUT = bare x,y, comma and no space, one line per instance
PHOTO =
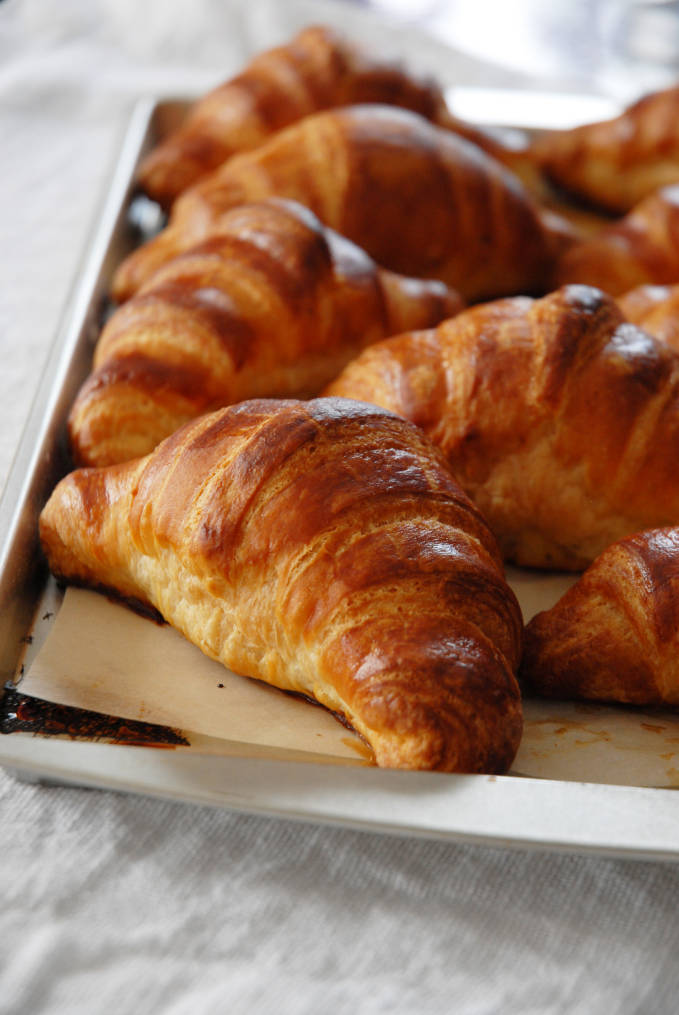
502,811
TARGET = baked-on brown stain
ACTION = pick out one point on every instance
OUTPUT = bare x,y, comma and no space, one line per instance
356,742
22,714
558,418
275,305
419,199
325,548
614,636
364,751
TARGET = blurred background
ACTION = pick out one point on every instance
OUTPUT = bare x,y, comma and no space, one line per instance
616,47
611,46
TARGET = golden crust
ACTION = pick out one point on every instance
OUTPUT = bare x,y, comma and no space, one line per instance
325,548
655,308
618,162
419,199
559,418
316,70
640,249
275,305
614,636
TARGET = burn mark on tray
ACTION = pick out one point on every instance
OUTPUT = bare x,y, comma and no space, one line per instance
20,713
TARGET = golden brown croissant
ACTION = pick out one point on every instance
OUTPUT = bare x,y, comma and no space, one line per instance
322,547
275,305
317,70
640,249
618,162
655,308
614,636
420,200
558,418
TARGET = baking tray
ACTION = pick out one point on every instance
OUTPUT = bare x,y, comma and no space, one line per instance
495,810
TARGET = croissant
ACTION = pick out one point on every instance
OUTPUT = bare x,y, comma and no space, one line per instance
614,636
420,200
559,418
322,547
275,305
640,249
655,308
317,70
618,162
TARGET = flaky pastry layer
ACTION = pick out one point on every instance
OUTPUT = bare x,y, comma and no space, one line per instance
557,416
323,547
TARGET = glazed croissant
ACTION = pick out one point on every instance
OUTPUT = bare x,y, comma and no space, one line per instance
275,305
640,249
317,70
614,636
322,547
616,163
420,200
558,418
655,308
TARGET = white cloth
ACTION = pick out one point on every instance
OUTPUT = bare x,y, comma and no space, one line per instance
113,903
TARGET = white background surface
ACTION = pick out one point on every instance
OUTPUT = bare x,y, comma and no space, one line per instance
112,903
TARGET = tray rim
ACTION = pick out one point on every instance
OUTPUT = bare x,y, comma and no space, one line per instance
40,457
501,811
622,822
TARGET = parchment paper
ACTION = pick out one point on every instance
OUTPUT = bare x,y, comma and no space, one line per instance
101,656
